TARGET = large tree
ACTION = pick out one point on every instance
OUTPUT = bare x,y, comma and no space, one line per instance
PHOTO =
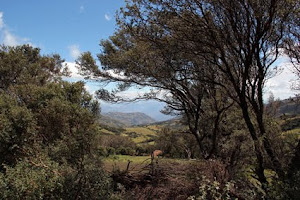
147,57
193,48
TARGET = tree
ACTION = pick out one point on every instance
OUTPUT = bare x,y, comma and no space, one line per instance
24,64
272,105
17,130
292,48
47,129
191,48
241,39
173,76
292,45
176,145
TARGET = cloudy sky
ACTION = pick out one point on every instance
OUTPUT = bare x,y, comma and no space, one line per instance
69,27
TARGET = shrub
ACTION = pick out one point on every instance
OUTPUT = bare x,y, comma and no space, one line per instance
141,150
102,152
31,179
213,190
111,151
90,182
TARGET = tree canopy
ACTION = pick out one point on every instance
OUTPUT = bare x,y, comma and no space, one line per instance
46,131
194,51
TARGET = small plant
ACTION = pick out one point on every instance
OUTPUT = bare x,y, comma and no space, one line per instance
213,190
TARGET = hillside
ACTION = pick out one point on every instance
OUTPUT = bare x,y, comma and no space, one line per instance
130,119
108,121
289,106
174,124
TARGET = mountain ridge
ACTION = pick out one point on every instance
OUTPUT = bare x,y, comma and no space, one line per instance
131,118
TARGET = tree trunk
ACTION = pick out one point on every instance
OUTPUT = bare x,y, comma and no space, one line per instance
267,145
259,170
199,141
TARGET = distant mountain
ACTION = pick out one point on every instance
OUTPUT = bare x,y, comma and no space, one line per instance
130,119
110,122
151,108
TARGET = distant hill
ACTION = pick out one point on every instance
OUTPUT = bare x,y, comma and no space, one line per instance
130,119
108,121
289,106
174,123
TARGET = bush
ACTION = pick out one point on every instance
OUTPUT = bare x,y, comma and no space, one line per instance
41,178
141,151
111,151
102,152
287,189
213,190
130,151
88,183
115,141
125,151
31,179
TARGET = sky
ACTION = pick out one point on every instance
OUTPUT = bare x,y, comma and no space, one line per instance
59,26
67,28
70,27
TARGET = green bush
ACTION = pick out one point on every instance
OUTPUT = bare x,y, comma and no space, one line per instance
90,182
141,150
47,129
31,179
41,178
130,151
213,190
102,151
111,151
125,151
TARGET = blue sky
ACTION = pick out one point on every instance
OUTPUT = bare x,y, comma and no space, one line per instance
70,27
64,27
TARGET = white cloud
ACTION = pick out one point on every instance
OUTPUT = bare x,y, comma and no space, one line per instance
81,9
74,51
8,38
107,17
280,85
1,20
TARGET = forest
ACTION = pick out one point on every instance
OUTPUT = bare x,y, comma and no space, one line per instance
207,60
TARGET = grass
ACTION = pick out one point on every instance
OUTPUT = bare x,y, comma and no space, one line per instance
141,130
154,127
139,135
293,131
120,162
106,132
136,162
143,134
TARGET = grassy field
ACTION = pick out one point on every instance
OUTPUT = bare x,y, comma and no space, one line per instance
120,162
141,134
137,163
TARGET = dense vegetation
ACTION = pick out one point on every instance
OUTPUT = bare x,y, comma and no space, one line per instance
46,131
207,60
